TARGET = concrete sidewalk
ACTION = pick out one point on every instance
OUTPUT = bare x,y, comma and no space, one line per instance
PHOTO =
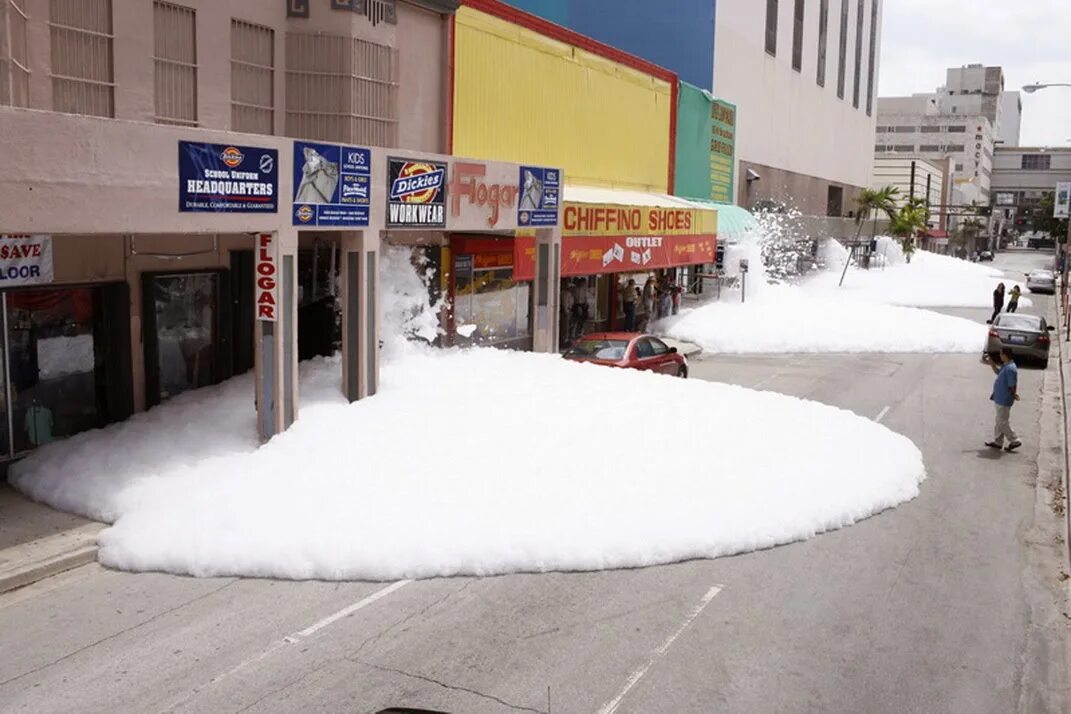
37,542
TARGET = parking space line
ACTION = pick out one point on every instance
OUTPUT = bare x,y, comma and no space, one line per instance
637,675
881,414
346,611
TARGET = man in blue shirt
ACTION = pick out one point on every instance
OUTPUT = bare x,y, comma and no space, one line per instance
1005,394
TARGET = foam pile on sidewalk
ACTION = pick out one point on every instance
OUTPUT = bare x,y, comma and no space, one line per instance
868,315
464,463
929,280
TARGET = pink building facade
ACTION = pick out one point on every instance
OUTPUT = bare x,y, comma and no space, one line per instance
122,286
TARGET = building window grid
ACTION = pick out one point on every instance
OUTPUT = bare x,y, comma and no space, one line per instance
858,52
904,147
797,36
872,57
175,63
252,78
823,40
83,72
14,60
341,88
1036,162
771,27
842,52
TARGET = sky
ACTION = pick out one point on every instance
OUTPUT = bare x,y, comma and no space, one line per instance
1030,39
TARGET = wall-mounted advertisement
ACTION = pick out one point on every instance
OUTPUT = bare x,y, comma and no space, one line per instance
722,151
222,178
25,259
1062,203
416,193
540,196
332,185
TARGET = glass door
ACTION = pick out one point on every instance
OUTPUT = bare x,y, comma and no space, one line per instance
185,308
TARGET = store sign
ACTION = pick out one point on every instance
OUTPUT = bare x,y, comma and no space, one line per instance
540,196
222,178
332,185
267,278
590,255
615,220
25,259
468,184
416,195
722,151
1005,198
1062,202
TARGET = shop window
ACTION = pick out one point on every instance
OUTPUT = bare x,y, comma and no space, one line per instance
489,307
183,350
57,375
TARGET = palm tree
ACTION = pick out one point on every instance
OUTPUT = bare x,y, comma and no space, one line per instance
968,231
873,202
906,223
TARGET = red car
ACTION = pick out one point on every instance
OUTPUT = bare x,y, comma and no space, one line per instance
630,350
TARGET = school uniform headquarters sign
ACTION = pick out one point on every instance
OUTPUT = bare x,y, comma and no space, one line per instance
223,178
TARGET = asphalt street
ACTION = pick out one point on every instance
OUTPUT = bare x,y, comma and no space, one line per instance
952,602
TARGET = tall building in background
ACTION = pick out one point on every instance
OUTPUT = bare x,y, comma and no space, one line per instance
963,121
679,38
804,78
1011,120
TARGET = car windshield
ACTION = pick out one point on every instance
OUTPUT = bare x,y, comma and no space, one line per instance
1019,322
599,348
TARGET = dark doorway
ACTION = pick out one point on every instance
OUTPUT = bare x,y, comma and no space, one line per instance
835,201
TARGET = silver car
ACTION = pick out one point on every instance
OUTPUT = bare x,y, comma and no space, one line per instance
1025,335
1041,281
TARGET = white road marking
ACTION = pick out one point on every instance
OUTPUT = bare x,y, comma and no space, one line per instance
291,639
346,611
636,676
881,415
766,380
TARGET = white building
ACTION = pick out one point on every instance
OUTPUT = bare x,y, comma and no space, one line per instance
1022,178
963,120
803,76
914,178
1011,119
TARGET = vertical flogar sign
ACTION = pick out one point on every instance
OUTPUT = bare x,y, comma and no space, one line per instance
223,178
267,296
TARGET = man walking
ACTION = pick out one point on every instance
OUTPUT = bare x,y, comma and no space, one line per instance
1005,394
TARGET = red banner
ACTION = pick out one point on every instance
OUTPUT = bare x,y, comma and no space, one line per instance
590,255
524,258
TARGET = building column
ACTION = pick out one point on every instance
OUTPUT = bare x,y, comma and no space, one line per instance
545,325
360,313
275,312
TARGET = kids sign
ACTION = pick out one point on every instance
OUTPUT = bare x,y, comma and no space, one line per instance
25,259
267,279
332,185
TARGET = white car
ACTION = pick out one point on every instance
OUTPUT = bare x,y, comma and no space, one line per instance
1041,281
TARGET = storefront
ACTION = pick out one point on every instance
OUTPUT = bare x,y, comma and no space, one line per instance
610,238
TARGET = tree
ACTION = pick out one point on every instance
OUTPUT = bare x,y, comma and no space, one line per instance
907,222
873,202
1043,221
968,231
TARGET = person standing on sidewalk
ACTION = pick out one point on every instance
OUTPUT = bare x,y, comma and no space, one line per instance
998,303
1013,300
1005,394
628,304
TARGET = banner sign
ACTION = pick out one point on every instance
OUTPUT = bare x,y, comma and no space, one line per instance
591,255
540,196
722,151
417,194
25,260
614,220
1061,207
220,178
267,279
524,258
469,179
332,185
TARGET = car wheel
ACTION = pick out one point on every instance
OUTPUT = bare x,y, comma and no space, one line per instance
682,372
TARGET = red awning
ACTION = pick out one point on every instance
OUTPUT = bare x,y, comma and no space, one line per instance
937,234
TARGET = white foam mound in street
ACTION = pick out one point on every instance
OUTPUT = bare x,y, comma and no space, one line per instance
785,319
473,462
929,280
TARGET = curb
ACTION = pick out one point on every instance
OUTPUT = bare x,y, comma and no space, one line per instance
25,564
